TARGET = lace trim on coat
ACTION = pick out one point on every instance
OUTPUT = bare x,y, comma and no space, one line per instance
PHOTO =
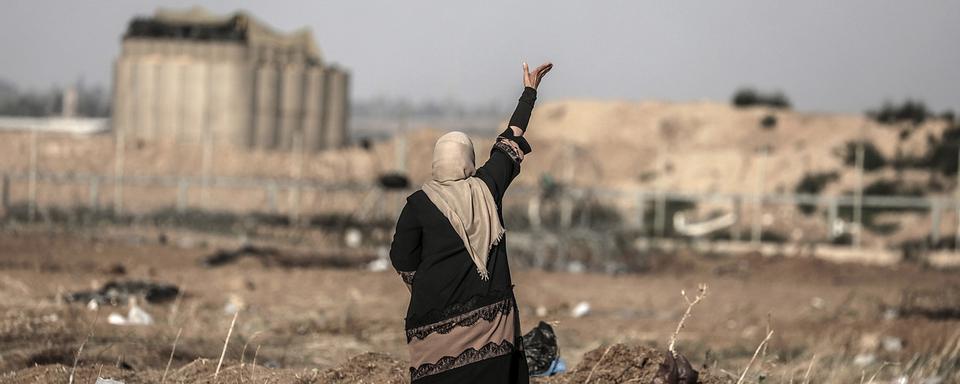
474,302
487,313
407,277
491,350
510,148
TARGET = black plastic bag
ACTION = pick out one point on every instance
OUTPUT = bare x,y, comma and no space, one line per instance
540,346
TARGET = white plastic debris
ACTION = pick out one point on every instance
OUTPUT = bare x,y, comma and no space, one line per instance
890,314
576,267
92,305
353,237
136,316
892,344
116,319
101,380
378,265
818,302
580,310
864,359
234,304
541,311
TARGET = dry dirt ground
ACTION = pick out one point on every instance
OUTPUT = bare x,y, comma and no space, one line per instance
331,325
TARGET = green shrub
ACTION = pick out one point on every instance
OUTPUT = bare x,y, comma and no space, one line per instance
813,184
748,97
872,158
910,111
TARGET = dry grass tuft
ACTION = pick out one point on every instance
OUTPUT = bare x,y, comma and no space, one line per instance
701,293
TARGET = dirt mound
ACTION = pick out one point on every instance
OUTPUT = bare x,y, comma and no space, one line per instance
368,368
620,363
365,368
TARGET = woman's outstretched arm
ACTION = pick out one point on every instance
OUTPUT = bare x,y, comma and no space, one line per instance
511,146
531,80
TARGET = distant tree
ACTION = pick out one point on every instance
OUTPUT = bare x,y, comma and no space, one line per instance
813,184
948,116
942,153
872,158
768,122
910,111
748,97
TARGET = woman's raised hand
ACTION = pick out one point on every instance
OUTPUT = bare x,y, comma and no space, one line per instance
532,79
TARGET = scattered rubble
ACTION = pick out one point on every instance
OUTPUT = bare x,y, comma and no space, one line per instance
269,256
120,292
620,363
938,304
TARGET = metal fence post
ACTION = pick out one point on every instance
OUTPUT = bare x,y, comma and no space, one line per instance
858,198
95,193
641,202
833,212
935,222
5,192
660,214
272,197
756,232
32,183
183,185
118,172
738,211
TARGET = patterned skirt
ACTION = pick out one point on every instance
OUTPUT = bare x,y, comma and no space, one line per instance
480,343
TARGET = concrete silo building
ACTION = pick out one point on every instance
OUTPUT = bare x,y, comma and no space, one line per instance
190,76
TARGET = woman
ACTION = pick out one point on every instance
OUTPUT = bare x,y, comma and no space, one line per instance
449,248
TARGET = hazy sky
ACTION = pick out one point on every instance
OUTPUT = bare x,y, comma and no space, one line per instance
826,55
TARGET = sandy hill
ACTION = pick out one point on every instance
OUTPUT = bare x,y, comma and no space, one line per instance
705,146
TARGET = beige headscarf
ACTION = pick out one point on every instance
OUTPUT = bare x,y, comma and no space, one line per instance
466,201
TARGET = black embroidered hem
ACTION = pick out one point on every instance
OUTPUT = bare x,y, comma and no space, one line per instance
487,313
474,302
407,277
504,145
491,350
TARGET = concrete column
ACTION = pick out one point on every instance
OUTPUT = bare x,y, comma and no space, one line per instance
122,109
145,97
169,103
335,113
291,104
265,111
313,110
195,100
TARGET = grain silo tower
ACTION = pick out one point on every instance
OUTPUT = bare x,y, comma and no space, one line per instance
191,75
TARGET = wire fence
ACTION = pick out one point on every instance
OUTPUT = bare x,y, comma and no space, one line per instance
841,220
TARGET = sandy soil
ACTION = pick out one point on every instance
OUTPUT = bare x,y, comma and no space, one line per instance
308,322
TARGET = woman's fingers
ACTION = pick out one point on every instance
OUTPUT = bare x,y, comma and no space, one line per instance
533,79
543,69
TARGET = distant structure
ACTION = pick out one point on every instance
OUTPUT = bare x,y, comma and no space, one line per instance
191,76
